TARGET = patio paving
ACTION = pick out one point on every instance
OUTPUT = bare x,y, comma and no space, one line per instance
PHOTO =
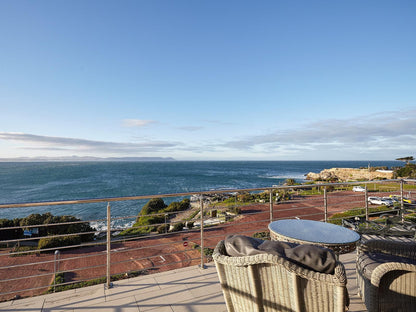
190,289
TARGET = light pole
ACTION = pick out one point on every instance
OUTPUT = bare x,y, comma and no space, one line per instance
56,268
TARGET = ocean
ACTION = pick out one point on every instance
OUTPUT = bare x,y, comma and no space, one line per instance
24,182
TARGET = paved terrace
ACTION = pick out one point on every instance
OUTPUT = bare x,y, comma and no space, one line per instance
188,289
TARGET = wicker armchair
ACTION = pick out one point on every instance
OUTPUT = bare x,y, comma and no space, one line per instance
266,282
386,275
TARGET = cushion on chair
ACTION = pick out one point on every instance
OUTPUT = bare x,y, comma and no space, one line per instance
315,258
240,245
368,261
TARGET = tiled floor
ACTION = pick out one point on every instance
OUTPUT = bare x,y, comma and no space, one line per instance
184,290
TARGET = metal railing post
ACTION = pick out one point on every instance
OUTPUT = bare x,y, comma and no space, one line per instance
271,205
108,246
56,268
202,266
366,202
402,202
326,204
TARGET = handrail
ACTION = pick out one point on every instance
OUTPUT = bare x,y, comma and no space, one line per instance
203,236
112,199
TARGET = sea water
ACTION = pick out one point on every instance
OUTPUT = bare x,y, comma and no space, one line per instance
28,182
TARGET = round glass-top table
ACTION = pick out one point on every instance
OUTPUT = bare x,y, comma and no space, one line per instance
335,237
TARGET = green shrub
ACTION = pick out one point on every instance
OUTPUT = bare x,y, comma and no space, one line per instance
142,230
245,197
408,171
290,181
164,228
337,217
36,219
179,206
154,205
177,227
23,251
193,215
11,233
54,242
234,210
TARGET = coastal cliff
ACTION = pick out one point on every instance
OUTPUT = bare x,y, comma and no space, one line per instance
349,174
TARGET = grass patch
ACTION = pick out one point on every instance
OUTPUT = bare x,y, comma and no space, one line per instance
21,251
60,279
355,212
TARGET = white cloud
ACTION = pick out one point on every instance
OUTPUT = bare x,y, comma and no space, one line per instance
381,136
385,130
137,122
190,128
39,142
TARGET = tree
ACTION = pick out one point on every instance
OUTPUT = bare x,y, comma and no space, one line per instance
408,171
11,233
407,159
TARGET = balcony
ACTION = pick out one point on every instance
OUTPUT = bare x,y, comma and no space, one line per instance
186,289
168,265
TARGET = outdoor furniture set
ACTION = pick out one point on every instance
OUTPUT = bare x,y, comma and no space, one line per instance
386,275
388,226
302,273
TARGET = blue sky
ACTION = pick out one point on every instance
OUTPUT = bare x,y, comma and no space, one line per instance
202,80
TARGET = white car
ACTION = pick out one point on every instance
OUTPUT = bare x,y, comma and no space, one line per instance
376,201
358,189
388,201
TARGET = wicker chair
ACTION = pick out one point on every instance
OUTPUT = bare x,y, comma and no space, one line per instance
386,275
266,282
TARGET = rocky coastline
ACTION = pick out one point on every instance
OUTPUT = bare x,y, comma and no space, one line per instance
350,174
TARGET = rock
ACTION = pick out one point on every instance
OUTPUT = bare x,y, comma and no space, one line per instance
349,174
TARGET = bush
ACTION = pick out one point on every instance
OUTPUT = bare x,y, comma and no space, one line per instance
408,171
174,206
43,219
337,217
177,227
12,233
69,228
142,230
245,197
23,251
290,181
164,228
179,206
154,205
54,242
235,210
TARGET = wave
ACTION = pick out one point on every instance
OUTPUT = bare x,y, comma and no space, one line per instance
101,226
286,176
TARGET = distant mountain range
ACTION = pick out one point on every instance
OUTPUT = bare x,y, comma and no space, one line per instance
85,158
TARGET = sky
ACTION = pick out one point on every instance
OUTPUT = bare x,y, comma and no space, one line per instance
208,80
